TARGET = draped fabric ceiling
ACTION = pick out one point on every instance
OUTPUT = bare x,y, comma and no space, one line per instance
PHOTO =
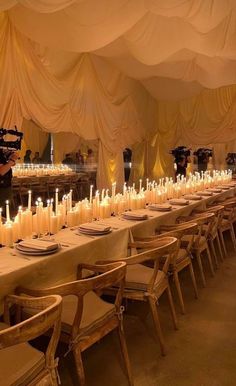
154,73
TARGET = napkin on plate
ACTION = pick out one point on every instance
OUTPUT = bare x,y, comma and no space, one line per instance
133,215
192,197
215,190
205,193
38,244
179,201
95,227
159,207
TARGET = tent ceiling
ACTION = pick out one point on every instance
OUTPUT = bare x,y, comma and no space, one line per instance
174,47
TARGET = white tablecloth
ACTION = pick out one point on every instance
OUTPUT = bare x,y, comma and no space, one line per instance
16,269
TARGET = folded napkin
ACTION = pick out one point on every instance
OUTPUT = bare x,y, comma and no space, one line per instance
192,197
179,201
38,244
205,193
160,207
95,227
133,215
215,190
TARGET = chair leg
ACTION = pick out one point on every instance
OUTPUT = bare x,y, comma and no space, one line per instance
155,316
214,253
233,236
79,365
125,353
172,308
210,261
223,242
179,291
199,260
193,279
219,248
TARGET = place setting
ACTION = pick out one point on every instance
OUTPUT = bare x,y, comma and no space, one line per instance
37,247
93,229
160,207
134,216
179,201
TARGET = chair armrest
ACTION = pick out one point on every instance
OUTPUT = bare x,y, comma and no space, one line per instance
100,267
168,227
181,219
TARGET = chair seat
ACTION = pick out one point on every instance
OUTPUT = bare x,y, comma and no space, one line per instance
95,310
138,277
225,224
202,240
19,364
182,255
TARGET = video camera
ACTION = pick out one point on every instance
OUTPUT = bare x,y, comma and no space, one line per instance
181,151
13,145
203,151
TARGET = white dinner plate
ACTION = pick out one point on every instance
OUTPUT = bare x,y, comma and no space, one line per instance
34,252
94,233
159,208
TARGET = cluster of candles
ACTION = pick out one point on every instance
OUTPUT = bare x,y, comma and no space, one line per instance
30,170
55,215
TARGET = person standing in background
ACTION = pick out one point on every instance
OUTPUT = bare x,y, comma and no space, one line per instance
181,166
27,159
36,159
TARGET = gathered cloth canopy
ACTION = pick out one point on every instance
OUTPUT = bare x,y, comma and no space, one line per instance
149,74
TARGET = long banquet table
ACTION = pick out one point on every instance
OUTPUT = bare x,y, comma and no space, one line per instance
17,269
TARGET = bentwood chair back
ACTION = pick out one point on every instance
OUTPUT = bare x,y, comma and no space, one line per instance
181,260
86,318
218,210
20,363
227,223
145,283
205,223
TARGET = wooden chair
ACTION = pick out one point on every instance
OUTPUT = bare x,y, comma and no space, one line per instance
147,284
213,234
86,318
205,222
181,260
227,223
20,363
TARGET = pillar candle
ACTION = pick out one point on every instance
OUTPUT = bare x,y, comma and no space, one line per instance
56,201
29,199
7,211
91,194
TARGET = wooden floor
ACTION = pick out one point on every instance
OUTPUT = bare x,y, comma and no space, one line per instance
201,353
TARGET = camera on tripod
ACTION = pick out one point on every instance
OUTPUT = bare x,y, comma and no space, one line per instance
181,151
14,144
203,151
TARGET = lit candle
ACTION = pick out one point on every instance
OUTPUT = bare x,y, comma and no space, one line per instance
124,188
29,199
91,194
56,201
7,211
140,185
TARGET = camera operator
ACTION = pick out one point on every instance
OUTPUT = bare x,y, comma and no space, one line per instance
181,163
203,156
7,161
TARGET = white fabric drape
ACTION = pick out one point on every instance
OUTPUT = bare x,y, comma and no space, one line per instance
154,41
90,99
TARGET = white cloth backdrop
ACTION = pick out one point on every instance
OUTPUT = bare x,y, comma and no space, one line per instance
175,48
